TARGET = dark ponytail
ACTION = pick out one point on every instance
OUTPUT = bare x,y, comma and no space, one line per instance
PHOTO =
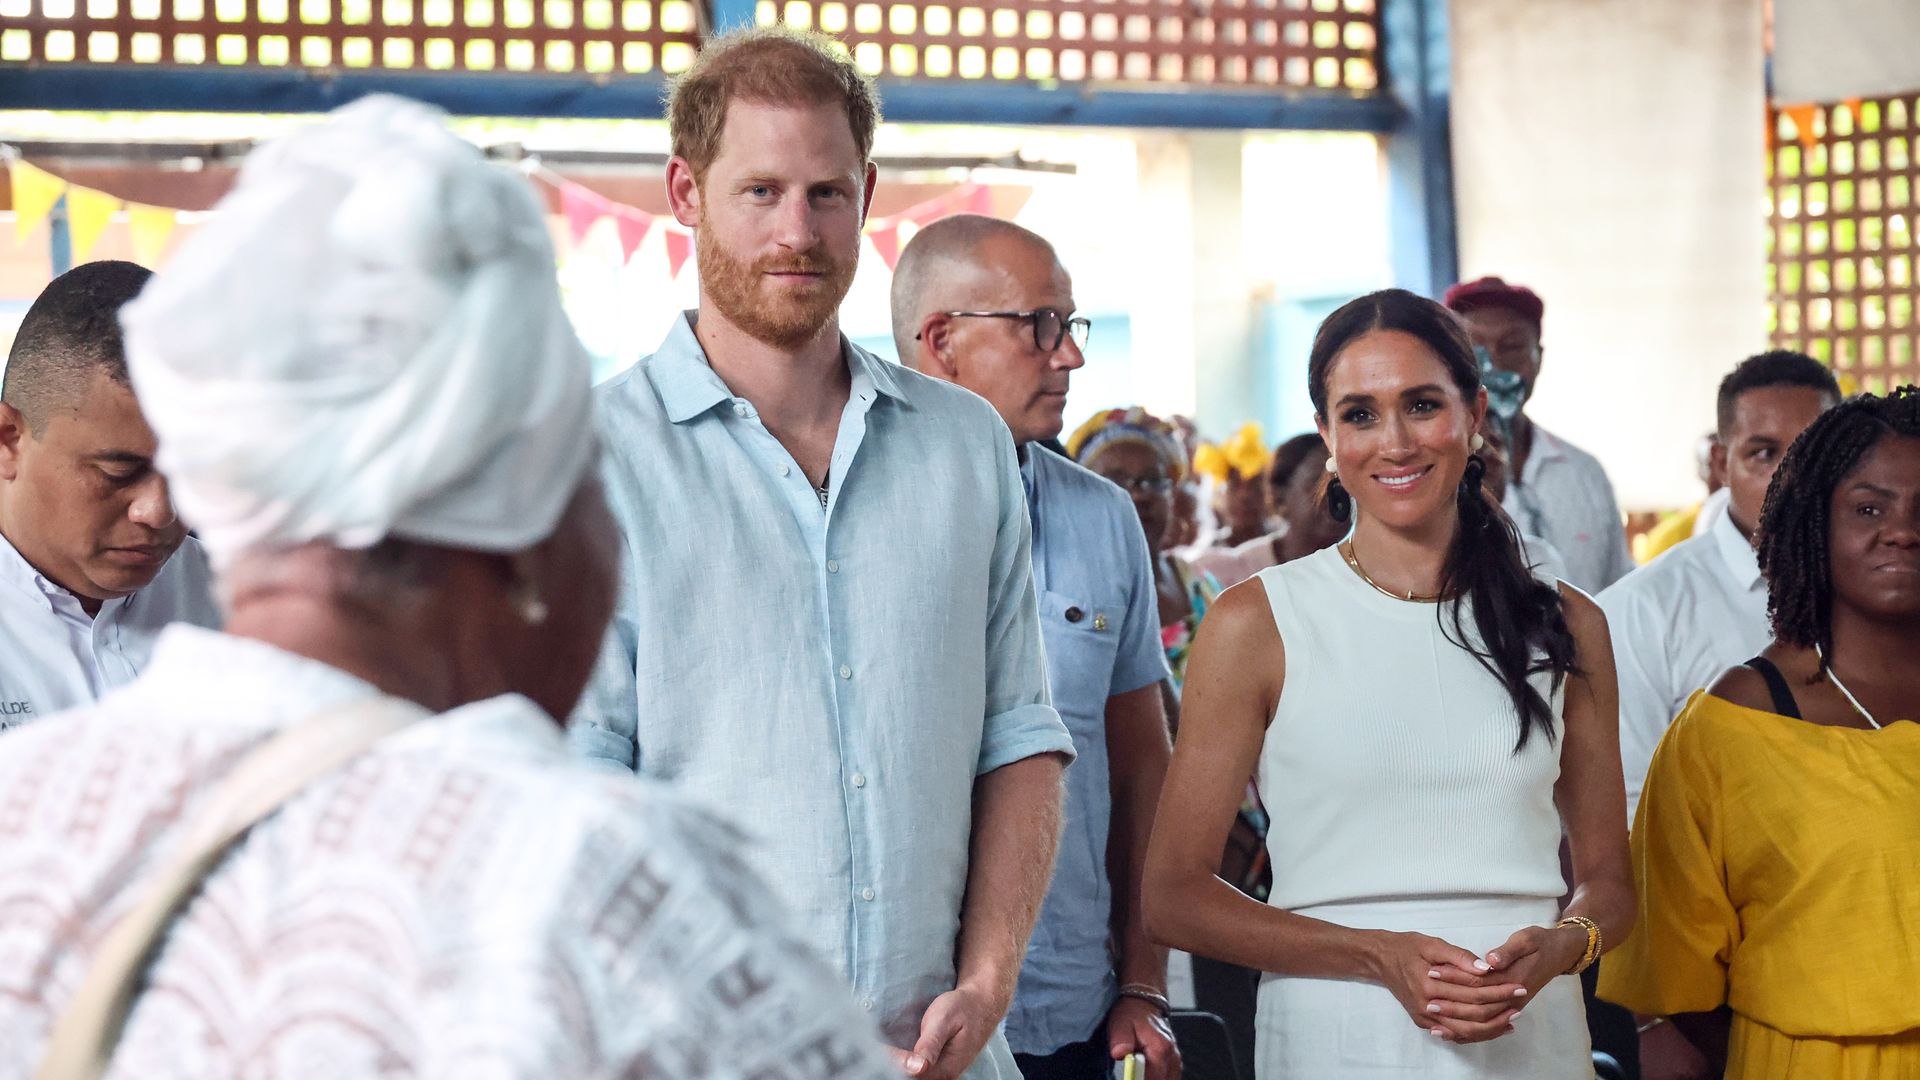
1521,627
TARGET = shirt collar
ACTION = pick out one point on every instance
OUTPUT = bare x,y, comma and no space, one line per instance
688,386
15,568
1737,552
1546,446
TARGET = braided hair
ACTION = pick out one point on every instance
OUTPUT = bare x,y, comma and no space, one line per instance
1522,628
1794,534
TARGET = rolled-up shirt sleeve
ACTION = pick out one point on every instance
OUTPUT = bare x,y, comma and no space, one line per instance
1020,721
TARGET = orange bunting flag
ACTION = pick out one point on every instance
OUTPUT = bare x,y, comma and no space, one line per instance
1802,117
88,212
35,191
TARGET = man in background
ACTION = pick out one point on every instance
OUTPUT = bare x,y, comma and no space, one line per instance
1697,610
1555,490
986,305
93,559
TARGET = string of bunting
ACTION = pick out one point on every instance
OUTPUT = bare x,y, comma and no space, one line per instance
36,191
584,208
1802,117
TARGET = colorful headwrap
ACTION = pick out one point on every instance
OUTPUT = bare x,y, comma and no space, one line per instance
1244,454
1131,425
1492,292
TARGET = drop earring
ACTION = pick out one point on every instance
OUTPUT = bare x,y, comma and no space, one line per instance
527,604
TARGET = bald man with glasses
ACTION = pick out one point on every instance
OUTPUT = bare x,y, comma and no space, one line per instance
985,304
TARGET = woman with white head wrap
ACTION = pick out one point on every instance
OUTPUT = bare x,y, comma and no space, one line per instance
345,837
366,342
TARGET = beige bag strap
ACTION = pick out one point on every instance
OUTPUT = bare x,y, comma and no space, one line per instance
88,1030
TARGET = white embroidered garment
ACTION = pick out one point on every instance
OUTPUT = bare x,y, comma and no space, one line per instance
465,900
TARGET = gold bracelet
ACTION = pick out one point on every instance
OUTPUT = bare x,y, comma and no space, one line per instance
1593,941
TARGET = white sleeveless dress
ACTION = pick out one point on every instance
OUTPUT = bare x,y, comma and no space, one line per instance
1399,803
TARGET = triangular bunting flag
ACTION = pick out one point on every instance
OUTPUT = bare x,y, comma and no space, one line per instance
633,226
978,200
88,212
35,191
887,242
151,227
679,248
1802,117
582,206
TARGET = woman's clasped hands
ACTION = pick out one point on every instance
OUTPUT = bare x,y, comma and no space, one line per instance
1457,996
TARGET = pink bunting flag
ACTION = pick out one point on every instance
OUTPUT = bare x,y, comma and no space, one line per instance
886,241
679,249
633,226
582,206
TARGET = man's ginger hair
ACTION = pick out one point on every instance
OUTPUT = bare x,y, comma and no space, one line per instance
770,65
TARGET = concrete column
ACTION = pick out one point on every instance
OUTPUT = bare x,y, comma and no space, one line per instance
1610,154
1192,322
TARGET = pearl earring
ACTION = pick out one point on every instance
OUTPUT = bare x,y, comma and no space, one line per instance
1331,467
1474,444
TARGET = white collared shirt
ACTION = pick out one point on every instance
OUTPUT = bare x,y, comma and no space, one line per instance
54,656
1563,496
1677,624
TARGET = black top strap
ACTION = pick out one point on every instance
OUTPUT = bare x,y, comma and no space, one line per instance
1783,702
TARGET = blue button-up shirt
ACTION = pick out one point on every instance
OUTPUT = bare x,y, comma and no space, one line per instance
1100,618
835,678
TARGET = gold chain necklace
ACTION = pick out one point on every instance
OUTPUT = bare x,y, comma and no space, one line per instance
1346,551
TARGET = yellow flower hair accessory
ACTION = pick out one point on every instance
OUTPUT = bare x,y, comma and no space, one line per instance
1244,454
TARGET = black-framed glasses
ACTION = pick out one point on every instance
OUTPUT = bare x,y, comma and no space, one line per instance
1050,326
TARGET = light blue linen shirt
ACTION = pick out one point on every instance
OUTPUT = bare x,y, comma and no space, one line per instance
1100,619
834,678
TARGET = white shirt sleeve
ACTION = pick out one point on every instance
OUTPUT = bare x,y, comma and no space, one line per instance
1639,634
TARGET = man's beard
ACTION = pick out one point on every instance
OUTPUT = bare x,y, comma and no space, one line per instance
783,321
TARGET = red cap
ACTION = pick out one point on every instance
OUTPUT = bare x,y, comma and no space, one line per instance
1492,292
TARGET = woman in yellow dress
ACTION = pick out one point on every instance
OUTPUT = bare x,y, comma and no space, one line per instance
1777,846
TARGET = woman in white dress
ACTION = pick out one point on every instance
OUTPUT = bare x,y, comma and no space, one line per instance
1424,715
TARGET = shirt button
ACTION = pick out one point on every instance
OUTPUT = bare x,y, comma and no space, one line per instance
859,780
786,470
1074,614
846,672
866,893
833,566
739,408
867,1004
